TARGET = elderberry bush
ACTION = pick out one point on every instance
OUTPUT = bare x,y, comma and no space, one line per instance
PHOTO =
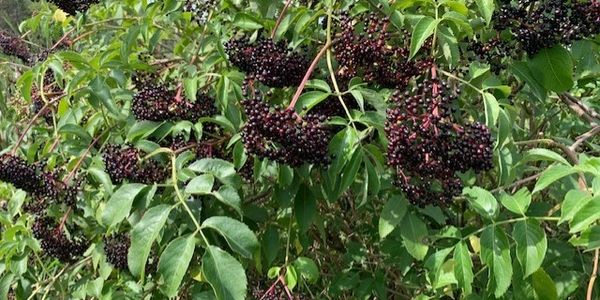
14,46
54,241
281,135
273,64
125,163
116,248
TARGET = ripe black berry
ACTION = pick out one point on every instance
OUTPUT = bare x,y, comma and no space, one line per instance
14,46
123,163
55,243
116,248
27,177
72,7
281,135
200,9
271,63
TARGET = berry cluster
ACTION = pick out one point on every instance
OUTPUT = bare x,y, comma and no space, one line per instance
73,6
200,9
153,101
29,178
273,64
542,24
14,46
116,248
426,148
368,53
123,163
492,52
202,149
281,135
55,243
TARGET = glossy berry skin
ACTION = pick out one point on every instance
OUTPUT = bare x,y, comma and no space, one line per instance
370,54
155,102
14,46
55,243
123,163
273,64
426,148
116,248
72,7
281,135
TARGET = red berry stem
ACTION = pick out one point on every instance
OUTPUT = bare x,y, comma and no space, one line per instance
309,72
280,18
63,220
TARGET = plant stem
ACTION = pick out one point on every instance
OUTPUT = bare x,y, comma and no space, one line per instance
280,18
83,156
309,72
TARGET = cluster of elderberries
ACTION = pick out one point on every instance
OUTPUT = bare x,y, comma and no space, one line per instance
154,101
200,9
281,135
203,148
542,24
273,64
493,52
14,46
124,163
426,148
369,53
54,241
116,248
72,7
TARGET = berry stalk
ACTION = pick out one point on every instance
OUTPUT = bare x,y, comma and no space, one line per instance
309,72
280,18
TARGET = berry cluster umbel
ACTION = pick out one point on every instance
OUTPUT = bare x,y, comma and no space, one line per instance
200,9
283,136
426,148
14,46
536,25
124,163
54,241
72,7
116,248
273,64
368,53
154,101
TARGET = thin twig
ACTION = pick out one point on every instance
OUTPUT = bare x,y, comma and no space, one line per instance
590,288
584,137
280,18
83,156
309,72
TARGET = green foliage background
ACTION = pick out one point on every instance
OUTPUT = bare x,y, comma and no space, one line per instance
526,230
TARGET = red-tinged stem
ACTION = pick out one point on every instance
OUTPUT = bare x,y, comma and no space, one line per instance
280,18
62,39
309,72
83,156
61,225
28,127
286,289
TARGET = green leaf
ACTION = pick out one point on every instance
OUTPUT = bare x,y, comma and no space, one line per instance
555,68
391,215
574,200
201,185
119,205
552,174
174,262
246,21
589,238
463,267
492,110
588,214
517,203
486,7
237,234
495,253
524,72
543,155
310,99
230,197
143,235
482,201
413,232
305,208
142,129
544,286
307,268
423,30
224,274
221,169
531,245
100,92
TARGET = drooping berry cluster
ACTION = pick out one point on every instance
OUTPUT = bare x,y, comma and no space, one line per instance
273,64
369,53
426,148
29,178
153,101
124,163
54,241
72,7
116,248
200,9
281,135
542,24
14,46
